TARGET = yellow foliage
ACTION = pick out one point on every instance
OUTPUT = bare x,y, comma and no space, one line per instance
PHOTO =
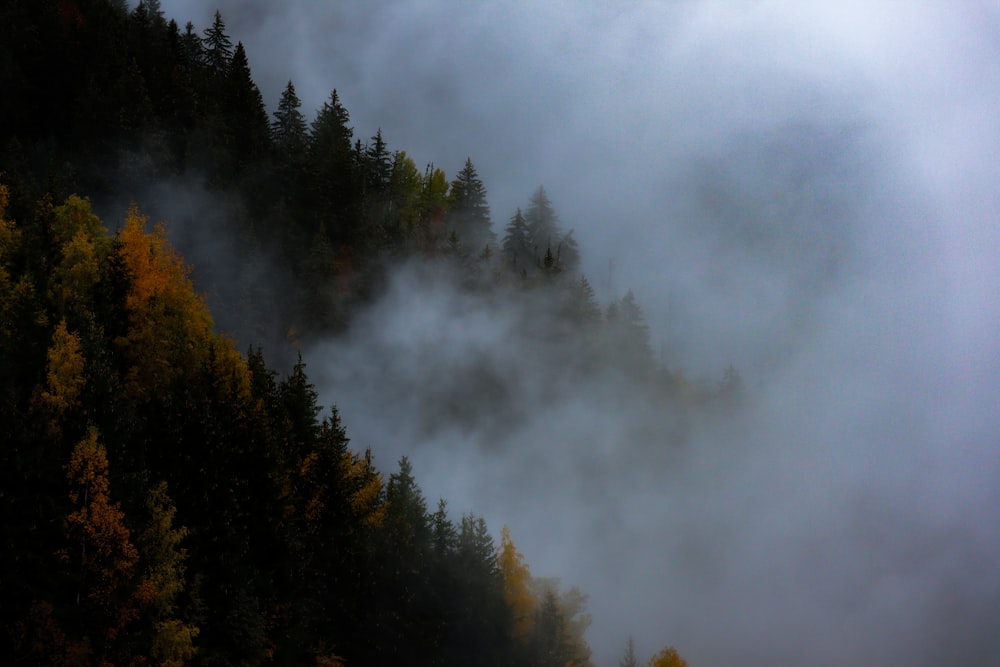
65,371
10,235
516,577
171,328
326,659
107,554
77,273
668,657
75,217
173,643
366,482
315,505
10,240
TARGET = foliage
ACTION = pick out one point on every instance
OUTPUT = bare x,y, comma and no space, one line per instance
668,657
277,542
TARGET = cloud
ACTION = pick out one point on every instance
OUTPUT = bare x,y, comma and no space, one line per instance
806,190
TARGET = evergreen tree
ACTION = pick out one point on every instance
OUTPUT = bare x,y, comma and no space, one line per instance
629,659
628,336
569,253
289,124
517,249
248,131
192,51
468,210
334,187
217,46
543,224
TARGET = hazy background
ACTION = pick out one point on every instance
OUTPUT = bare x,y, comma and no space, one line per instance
806,190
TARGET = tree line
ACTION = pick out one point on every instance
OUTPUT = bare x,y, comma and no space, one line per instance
168,499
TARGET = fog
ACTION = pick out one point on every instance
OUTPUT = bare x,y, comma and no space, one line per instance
808,193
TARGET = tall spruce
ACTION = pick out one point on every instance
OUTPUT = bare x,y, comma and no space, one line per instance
468,210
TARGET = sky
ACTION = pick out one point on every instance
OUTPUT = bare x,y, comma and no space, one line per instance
808,191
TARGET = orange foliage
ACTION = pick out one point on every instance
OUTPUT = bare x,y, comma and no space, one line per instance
171,327
107,556
668,657
366,482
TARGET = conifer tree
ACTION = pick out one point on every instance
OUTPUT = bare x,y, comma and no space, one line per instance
334,187
517,250
543,224
468,210
245,117
217,46
289,124
629,659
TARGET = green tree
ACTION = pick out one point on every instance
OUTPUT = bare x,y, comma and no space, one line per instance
217,46
629,659
171,639
518,252
627,336
543,224
245,118
468,210
334,188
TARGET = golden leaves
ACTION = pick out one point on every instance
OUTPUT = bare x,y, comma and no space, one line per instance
65,377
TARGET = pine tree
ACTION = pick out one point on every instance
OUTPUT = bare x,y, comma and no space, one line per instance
289,124
468,210
334,188
629,659
543,224
517,251
218,47
245,118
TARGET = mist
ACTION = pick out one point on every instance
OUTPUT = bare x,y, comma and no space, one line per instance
807,193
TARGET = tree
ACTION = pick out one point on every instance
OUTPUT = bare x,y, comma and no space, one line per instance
218,47
245,117
334,188
169,325
105,555
516,578
468,210
171,640
289,125
580,307
668,657
629,659
542,223
628,335
550,641
517,250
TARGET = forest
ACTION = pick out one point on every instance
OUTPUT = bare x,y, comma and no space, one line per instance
172,491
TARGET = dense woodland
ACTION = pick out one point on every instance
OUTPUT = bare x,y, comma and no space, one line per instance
167,497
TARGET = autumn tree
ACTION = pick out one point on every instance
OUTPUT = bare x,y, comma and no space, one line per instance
171,640
65,378
109,592
170,326
668,657
517,591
